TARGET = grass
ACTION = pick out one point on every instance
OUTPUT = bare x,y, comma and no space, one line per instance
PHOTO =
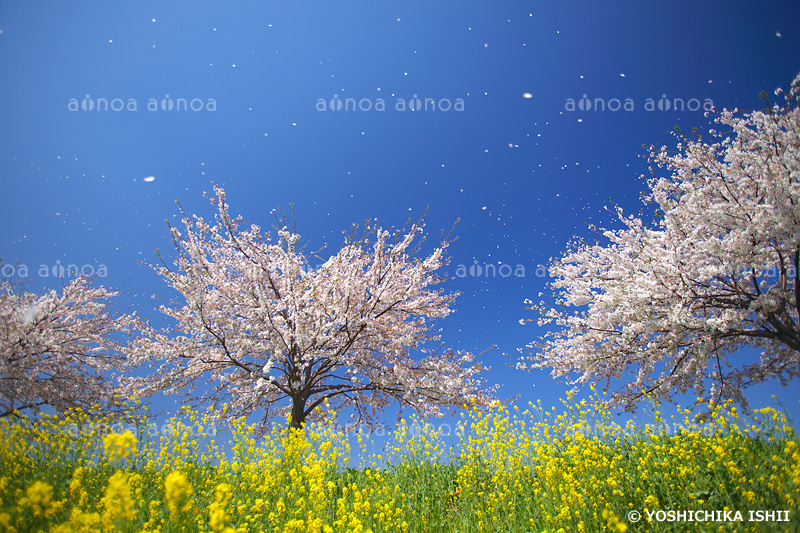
508,470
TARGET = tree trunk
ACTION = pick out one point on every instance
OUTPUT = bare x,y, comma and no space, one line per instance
298,410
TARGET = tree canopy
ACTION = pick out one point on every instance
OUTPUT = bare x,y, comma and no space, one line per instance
716,271
57,348
258,328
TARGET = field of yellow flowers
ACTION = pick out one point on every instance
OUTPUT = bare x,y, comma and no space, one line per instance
505,470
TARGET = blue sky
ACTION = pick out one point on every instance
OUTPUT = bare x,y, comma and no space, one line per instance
523,175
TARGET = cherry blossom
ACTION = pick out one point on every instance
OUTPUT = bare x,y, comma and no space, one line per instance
260,330
58,348
664,304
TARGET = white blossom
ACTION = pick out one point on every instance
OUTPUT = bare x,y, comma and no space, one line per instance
347,332
715,271
56,348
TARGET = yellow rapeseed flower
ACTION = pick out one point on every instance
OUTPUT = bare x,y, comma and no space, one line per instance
118,503
119,445
39,497
178,492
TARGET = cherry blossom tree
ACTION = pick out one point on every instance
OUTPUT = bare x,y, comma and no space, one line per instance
669,302
258,328
57,348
